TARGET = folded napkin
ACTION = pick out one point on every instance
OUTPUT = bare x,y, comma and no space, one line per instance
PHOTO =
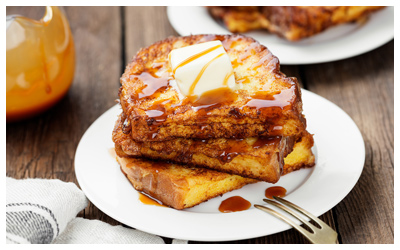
44,211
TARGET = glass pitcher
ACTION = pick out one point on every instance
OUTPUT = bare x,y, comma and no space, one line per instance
40,63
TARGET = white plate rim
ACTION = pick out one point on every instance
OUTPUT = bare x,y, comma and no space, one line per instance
196,226
378,30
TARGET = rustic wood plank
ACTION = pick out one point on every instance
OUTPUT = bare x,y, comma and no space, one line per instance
287,237
363,87
44,146
97,32
145,26
32,12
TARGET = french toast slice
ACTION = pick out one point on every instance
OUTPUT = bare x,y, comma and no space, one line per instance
176,185
267,104
259,158
301,156
291,22
181,186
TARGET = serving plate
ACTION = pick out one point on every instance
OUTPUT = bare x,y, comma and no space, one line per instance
339,42
340,154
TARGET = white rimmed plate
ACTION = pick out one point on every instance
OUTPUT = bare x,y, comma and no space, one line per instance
340,42
338,167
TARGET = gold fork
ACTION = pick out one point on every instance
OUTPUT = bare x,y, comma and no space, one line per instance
322,235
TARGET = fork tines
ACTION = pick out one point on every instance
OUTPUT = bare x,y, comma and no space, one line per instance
322,235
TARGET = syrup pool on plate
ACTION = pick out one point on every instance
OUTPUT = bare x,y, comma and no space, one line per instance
275,191
234,204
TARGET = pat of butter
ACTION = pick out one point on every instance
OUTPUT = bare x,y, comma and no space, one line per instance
202,67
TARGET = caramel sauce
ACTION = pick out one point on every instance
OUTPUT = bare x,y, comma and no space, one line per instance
193,86
251,50
152,83
195,56
243,80
228,44
157,83
266,57
40,63
157,111
240,146
149,201
232,149
156,114
225,83
234,204
275,191
142,197
126,126
263,141
214,97
281,100
236,149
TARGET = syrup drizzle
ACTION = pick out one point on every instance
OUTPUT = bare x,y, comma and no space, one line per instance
194,57
149,201
155,83
193,86
240,146
152,84
233,147
280,100
225,83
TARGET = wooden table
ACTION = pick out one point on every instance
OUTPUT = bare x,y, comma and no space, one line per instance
106,38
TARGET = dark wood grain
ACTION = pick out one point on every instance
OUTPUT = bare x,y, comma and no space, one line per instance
363,87
106,38
44,147
287,237
145,26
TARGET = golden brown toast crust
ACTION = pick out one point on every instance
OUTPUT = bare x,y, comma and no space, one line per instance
171,183
258,158
268,104
290,22
301,156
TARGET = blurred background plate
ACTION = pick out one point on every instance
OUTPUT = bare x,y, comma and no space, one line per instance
340,42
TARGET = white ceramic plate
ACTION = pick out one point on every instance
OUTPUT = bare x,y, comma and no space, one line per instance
336,43
340,154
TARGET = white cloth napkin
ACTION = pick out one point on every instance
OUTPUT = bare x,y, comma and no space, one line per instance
44,211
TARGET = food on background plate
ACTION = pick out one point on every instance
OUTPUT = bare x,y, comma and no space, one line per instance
291,22
238,125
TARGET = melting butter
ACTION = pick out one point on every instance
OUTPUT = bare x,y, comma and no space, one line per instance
202,67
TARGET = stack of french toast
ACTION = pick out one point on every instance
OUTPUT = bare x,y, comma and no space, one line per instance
185,149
